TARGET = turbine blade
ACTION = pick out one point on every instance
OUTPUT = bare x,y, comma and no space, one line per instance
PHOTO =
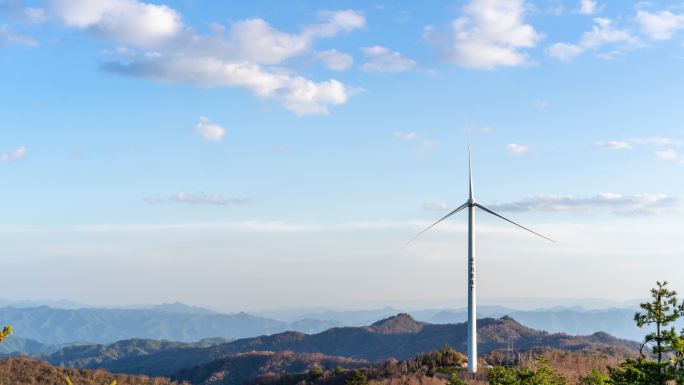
434,224
508,220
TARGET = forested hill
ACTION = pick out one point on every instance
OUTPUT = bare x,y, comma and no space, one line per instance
399,337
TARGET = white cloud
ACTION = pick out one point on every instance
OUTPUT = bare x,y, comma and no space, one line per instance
666,155
257,41
243,56
336,60
296,93
17,154
18,10
248,54
615,203
435,206
517,149
335,22
240,56
12,37
492,33
208,130
602,34
123,21
406,135
208,199
426,145
381,59
614,145
660,26
34,15
629,143
587,7
564,51
656,141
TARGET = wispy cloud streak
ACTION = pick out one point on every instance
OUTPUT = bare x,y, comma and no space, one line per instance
640,204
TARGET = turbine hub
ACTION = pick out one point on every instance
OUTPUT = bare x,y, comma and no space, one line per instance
471,202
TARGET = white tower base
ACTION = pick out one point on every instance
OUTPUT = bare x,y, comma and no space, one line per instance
472,299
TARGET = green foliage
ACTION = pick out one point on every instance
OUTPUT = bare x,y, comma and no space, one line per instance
6,331
444,360
664,310
316,371
502,375
595,377
338,370
635,372
357,378
454,380
540,374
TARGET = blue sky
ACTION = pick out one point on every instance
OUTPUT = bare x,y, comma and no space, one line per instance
241,155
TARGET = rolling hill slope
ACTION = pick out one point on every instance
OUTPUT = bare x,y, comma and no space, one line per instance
27,371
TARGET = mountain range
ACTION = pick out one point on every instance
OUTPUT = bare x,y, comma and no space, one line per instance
575,320
44,329
399,337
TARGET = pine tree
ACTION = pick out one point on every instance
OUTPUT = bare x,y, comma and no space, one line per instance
664,310
357,378
661,313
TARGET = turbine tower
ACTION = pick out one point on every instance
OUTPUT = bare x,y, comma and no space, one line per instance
471,204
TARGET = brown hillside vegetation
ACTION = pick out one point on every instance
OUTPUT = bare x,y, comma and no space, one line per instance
235,370
434,368
27,371
287,368
571,364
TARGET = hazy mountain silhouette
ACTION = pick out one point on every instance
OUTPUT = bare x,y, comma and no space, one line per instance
16,345
573,320
174,322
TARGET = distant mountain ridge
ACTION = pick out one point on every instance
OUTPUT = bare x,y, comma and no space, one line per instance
399,337
92,356
45,329
177,323
573,320
13,346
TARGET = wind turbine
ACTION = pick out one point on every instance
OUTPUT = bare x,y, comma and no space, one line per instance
471,204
